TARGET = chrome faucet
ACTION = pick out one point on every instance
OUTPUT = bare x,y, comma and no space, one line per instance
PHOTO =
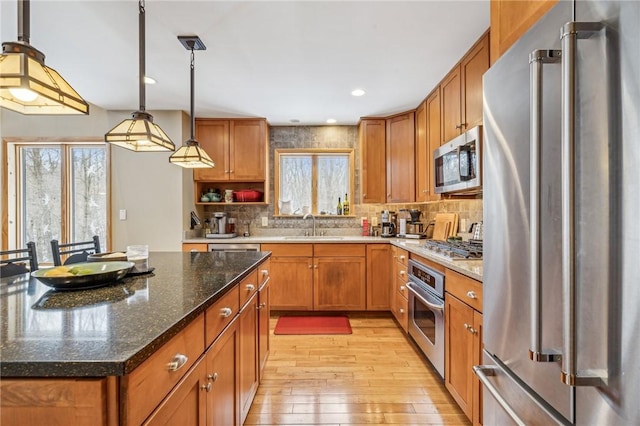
314,221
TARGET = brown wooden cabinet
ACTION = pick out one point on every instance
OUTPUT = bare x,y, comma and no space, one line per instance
510,19
196,247
372,139
399,292
379,274
400,151
461,91
264,308
291,276
427,140
213,137
463,342
248,355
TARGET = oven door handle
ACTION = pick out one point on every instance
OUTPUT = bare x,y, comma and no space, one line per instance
439,308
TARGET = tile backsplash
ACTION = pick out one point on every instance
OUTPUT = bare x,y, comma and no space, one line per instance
330,137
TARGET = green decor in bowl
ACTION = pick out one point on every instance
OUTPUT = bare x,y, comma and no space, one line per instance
81,276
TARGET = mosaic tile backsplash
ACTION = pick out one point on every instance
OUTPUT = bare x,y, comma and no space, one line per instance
331,137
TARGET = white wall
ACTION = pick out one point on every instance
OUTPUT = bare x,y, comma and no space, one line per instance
145,184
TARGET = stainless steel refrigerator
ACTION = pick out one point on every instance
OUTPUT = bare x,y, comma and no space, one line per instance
561,188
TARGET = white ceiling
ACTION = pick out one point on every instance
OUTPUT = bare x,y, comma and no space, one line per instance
281,60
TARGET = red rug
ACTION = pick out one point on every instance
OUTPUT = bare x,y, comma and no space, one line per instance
313,325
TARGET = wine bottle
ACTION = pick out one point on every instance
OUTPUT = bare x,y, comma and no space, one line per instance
339,208
345,206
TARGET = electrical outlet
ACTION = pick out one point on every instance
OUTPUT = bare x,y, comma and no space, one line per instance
265,221
123,214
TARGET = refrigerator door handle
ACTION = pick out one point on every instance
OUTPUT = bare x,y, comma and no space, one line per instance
537,59
484,372
570,374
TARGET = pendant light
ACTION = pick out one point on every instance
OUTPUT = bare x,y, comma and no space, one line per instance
140,133
191,155
27,85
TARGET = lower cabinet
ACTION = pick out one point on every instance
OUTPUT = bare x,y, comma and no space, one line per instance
248,355
195,247
291,276
221,378
264,313
463,343
398,290
379,273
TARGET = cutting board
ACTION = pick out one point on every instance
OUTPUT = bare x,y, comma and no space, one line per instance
446,225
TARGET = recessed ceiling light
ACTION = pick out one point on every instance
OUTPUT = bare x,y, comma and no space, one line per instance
358,92
331,121
149,80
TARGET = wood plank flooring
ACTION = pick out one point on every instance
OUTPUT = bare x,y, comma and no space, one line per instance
374,376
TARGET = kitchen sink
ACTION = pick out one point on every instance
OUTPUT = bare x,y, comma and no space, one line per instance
317,237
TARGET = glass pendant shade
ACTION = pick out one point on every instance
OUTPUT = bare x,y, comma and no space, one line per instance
28,86
191,156
139,133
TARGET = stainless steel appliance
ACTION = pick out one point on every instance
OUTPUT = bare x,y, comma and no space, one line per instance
457,163
388,226
234,247
426,312
219,227
561,295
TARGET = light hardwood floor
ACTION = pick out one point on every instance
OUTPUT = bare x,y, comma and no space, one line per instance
371,377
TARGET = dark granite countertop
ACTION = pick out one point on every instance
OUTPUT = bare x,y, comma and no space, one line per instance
109,331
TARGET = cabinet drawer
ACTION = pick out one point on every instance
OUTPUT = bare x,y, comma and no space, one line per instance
401,287
148,384
221,313
464,288
289,250
248,287
401,256
264,271
401,312
338,250
402,271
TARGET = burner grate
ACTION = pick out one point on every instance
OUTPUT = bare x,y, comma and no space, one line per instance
456,250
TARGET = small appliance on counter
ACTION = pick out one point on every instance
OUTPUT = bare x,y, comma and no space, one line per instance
415,228
221,227
388,224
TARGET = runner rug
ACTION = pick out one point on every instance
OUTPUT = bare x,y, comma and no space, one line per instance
313,325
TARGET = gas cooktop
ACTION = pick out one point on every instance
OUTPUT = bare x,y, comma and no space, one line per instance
459,250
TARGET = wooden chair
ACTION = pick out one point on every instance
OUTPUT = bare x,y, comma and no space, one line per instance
13,262
77,252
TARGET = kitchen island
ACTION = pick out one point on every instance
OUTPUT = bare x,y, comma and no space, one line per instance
108,335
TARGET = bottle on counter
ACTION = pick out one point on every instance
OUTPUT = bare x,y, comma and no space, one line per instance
339,208
345,206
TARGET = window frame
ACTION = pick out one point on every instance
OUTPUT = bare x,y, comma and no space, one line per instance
11,201
314,153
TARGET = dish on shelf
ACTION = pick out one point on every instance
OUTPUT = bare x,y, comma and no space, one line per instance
247,195
81,276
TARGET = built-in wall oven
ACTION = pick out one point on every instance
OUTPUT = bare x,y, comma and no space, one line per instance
426,312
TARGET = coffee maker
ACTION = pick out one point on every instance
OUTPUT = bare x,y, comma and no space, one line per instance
415,228
388,224
220,227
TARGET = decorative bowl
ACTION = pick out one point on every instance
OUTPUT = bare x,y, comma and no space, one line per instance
112,256
92,275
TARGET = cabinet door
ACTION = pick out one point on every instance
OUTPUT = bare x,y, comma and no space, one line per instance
247,147
477,360
264,308
451,106
372,150
186,404
292,283
248,355
459,352
434,137
423,166
339,283
222,373
472,68
401,178
378,276
213,136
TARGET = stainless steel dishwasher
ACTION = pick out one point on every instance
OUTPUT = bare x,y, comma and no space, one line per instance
233,247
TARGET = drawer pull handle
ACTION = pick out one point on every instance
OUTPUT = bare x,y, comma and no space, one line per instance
265,272
206,387
212,377
261,306
402,273
472,294
401,311
251,287
177,362
402,257
226,312
402,288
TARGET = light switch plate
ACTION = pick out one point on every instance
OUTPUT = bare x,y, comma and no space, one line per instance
265,221
123,214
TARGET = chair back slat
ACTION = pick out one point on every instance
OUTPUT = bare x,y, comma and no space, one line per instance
75,255
12,261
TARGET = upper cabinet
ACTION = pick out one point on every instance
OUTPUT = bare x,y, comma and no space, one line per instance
428,124
238,147
372,135
461,91
511,19
400,158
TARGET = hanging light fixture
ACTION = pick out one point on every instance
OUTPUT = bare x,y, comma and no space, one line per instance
140,133
191,155
27,85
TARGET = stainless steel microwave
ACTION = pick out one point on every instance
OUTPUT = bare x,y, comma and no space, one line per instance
457,163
